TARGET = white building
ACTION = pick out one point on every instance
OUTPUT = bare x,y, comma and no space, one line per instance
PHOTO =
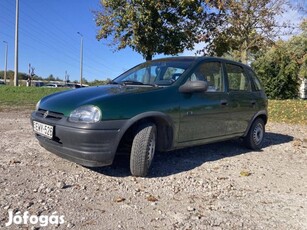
303,89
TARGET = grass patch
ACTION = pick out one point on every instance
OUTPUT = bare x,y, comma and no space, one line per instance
23,97
288,111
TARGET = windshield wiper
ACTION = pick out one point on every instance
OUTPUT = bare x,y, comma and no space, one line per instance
131,82
153,85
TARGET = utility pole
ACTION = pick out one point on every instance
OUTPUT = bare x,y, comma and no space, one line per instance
5,65
31,70
31,74
66,77
81,58
16,44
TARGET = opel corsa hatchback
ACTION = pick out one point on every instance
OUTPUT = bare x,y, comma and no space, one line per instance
159,105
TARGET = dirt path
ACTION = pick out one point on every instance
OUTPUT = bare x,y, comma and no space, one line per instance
216,186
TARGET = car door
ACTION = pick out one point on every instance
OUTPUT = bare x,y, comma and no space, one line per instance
202,114
242,104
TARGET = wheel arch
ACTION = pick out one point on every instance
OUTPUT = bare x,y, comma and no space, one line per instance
261,114
163,122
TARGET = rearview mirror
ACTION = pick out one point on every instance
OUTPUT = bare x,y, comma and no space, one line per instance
193,87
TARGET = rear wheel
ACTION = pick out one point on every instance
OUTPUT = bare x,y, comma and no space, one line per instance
143,149
254,138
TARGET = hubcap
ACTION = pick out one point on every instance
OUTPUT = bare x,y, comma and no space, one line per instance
258,134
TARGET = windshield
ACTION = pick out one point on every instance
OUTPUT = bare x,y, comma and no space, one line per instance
164,72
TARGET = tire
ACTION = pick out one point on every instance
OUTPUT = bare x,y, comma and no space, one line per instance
255,136
143,149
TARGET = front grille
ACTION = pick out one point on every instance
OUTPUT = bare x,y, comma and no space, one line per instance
49,114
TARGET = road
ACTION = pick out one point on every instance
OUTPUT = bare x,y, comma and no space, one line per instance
216,186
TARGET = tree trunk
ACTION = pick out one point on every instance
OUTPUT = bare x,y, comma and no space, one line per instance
244,53
148,56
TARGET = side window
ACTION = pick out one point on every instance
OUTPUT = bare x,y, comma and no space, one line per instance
256,81
155,74
172,73
210,72
237,79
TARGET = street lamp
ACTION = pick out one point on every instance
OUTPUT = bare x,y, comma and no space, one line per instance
16,44
81,58
5,58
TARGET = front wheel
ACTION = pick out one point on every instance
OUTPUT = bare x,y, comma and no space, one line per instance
254,138
143,149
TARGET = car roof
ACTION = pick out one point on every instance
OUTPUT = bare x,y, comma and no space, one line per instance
196,58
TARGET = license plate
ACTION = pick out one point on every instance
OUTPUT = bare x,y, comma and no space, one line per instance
43,129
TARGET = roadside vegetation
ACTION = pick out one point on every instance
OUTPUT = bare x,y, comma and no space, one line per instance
19,98
23,97
288,111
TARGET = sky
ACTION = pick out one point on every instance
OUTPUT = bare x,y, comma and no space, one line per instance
48,40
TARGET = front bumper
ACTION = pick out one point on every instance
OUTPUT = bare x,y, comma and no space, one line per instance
91,145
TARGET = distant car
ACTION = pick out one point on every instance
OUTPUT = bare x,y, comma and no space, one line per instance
50,86
70,85
162,105
80,86
53,85
74,85
2,83
38,84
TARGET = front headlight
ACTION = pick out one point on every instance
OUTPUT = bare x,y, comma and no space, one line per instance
37,105
85,114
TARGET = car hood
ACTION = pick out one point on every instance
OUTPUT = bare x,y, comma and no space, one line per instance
67,101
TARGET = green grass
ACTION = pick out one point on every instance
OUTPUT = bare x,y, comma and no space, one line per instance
288,111
19,98
22,97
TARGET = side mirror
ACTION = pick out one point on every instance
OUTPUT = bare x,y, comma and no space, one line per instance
193,87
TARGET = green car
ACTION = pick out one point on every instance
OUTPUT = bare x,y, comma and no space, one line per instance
158,105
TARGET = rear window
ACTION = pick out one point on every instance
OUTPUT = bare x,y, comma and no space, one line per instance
237,79
256,82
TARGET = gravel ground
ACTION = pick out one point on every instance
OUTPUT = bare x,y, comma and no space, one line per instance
216,186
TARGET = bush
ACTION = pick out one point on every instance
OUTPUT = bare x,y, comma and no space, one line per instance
278,73
283,67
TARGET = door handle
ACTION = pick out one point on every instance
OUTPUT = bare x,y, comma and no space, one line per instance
253,102
224,102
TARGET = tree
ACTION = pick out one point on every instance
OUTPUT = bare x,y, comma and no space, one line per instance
50,78
300,49
251,26
284,66
156,27
84,81
300,6
99,82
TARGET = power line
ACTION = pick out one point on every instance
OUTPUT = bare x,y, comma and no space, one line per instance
46,33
